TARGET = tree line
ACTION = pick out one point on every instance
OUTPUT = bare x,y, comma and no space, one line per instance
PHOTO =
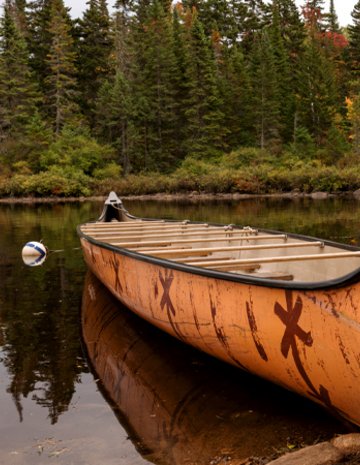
156,83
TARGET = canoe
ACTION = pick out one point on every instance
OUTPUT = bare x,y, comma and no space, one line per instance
179,406
282,306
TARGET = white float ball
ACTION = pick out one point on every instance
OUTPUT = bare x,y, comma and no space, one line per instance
33,249
33,253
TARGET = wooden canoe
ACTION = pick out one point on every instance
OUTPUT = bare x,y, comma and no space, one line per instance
282,306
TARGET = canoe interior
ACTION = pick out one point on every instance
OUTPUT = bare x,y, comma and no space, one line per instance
240,250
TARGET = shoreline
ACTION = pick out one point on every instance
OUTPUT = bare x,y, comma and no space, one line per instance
190,196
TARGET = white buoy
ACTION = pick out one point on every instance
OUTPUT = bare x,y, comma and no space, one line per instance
34,253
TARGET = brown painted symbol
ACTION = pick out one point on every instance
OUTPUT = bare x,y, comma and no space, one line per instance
116,265
166,282
290,317
220,334
254,331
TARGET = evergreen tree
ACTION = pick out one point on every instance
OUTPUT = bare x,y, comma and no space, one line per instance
291,28
284,70
155,89
122,36
225,16
354,42
317,91
319,86
114,106
180,80
39,38
331,20
21,16
18,95
236,96
254,21
205,129
265,92
61,80
95,46
336,44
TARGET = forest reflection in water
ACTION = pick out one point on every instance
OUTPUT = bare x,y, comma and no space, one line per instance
43,370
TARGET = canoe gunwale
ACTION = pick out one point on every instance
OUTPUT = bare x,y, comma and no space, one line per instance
342,281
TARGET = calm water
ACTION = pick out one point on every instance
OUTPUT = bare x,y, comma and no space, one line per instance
166,403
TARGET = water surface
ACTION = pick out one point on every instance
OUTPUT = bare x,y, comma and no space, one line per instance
54,407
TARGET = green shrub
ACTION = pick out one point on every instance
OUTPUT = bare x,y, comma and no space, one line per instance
244,157
109,171
77,149
193,167
54,182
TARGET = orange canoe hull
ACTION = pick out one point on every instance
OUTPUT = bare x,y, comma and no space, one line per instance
304,340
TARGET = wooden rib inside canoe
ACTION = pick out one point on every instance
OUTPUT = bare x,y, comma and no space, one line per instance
188,252
196,239
135,225
162,227
245,267
172,232
288,258
153,229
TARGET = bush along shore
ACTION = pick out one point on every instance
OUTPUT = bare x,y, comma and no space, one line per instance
246,171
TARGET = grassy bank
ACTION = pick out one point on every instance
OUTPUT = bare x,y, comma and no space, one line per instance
247,171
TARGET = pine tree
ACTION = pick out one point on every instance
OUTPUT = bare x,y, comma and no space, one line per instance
206,133
180,80
95,46
265,92
39,39
331,20
354,42
154,71
317,91
123,17
287,34
114,106
284,70
254,21
236,96
225,16
21,16
291,28
18,95
61,81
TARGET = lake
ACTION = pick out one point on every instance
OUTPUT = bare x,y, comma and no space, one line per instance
164,404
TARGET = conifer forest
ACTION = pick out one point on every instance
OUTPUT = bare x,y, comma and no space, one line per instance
205,95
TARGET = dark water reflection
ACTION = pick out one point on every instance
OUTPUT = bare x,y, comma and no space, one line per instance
50,405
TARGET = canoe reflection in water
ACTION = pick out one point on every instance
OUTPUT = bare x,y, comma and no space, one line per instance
180,406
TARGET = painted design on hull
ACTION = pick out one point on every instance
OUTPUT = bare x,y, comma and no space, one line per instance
118,285
221,336
290,317
254,331
166,282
